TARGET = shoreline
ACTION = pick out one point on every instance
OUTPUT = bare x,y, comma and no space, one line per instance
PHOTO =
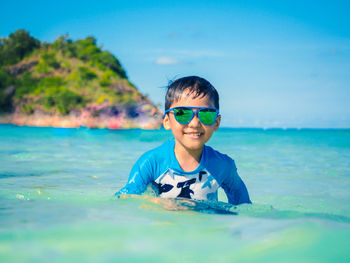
83,120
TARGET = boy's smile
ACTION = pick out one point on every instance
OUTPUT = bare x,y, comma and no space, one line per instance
190,137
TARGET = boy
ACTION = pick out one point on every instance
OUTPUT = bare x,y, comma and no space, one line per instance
185,166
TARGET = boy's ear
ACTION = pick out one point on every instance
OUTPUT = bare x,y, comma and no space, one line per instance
217,123
166,122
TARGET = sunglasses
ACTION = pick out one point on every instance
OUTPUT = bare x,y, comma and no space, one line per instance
184,115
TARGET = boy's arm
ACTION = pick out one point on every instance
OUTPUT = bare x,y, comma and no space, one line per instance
235,188
139,178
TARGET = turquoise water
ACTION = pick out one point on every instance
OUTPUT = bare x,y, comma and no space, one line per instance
57,204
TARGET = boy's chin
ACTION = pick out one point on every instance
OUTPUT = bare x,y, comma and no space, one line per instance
194,145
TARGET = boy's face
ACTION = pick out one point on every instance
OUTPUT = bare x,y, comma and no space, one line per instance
194,135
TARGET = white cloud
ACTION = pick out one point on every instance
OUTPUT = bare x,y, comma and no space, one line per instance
166,61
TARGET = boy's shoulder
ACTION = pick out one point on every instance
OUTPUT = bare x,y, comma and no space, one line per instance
218,164
158,152
222,158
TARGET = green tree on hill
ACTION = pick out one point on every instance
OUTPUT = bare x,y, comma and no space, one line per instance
14,48
87,50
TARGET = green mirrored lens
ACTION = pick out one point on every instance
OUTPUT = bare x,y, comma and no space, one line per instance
183,115
207,116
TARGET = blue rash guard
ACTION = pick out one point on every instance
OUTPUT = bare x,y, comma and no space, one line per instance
160,167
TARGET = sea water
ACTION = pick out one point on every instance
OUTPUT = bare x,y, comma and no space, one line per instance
57,204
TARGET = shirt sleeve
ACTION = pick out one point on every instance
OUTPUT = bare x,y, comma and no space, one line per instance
139,177
235,188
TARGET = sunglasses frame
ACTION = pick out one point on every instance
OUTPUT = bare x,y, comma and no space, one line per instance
193,113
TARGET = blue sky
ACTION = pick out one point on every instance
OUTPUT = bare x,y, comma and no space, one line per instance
274,63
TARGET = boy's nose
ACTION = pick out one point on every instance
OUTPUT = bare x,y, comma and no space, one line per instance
195,120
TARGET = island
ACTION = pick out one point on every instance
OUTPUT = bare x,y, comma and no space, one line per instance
68,84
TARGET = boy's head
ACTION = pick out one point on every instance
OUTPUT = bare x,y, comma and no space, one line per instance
193,86
191,112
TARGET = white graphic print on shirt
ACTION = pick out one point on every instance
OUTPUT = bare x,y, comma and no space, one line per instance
200,186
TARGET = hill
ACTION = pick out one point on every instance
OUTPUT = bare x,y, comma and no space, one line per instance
68,84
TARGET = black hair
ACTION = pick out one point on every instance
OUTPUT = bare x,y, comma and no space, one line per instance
197,87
